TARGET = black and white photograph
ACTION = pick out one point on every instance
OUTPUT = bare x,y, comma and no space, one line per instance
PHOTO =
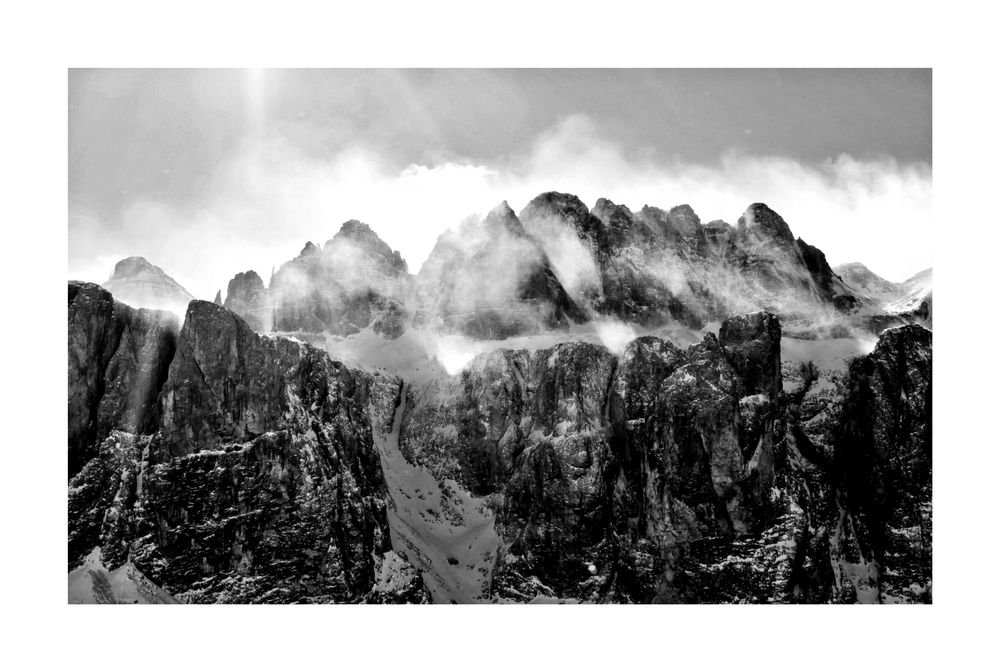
478,336
514,336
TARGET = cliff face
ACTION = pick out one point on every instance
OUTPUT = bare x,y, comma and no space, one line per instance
882,465
688,475
212,461
588,459
654,267
253,479
220,465
861,451
118,360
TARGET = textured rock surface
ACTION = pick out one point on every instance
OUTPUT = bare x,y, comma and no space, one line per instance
633,276
588,459
247,297
882,465
209,463
860,447
654,267
695,475
118,360
262,483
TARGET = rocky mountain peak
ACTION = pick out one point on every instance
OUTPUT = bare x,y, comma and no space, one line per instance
502,219
853,267
357,243
245,281
896,297
247,297
682,218
132,266
554,202
564,207
758,218
140,283
606,210
309,249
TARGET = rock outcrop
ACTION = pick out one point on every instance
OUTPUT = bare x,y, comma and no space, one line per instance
257,480
214,461
882,465
656,267
491,280
631,276
247,297
356,281
118,361
617,463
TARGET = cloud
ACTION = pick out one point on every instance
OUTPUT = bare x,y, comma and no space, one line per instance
270,198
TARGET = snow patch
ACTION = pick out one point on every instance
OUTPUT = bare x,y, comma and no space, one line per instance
446,533
93,583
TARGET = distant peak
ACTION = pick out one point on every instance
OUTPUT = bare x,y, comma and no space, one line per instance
615,217
356,232
244,281
503,210
554,205
503,217
760,217
683,210
357,237
606,203
683,219
680,220
556,202
353,227
130,266
851,267
607,206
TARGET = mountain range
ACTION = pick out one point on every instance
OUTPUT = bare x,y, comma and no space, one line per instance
645,408
555,264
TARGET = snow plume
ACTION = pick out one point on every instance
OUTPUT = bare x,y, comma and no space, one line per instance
572,261
486,263
270,197
489,277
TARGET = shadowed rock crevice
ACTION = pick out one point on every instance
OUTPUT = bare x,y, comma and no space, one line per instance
118,362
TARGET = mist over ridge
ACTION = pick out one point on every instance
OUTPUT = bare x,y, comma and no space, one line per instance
270,197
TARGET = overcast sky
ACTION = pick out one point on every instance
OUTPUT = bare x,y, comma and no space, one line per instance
210,172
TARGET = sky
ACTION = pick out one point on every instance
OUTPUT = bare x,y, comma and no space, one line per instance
208,173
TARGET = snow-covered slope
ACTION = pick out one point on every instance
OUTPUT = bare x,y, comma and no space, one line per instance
447,534
92,583
893,297
915,291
